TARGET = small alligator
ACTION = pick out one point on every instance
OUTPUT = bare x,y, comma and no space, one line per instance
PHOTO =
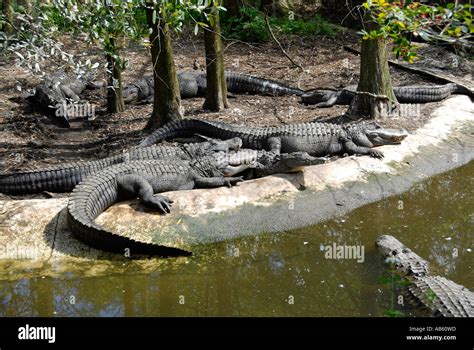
438,295
146,177
63,178
194,84
317,139
58,89
404,94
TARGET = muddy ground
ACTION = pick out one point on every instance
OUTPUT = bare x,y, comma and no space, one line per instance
29,139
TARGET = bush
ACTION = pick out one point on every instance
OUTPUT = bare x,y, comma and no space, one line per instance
250,26
298,26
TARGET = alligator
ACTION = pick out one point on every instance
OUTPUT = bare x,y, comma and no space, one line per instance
146,177
58,89
435,294
194,84
317,139
63,177
404,94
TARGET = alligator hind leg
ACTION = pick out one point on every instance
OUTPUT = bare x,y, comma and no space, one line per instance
136,185
274,145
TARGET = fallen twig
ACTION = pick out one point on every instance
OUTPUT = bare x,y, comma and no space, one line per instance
278,43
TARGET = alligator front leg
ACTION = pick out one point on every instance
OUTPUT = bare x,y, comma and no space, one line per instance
218,181
138,186
236,169
351,148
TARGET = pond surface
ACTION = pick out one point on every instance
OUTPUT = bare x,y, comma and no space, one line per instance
285,274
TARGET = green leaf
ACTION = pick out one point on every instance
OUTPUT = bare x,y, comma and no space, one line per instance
196,29
393,313
425,36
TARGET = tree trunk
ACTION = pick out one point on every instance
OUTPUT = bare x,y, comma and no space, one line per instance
375,98
232,7
115,101
8,14
216,93
167,99
27,6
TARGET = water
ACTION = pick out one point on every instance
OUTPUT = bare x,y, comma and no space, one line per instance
283,274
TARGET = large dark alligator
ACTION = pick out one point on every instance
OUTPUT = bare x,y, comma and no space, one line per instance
317,139
194,84
144,178
404,94
63,177
436,294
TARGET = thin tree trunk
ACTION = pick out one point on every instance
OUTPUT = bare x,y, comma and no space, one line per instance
233,7
27,6
8,14
167,99
115,101
376,98
216,93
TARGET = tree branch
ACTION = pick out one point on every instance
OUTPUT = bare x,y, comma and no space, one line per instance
278,43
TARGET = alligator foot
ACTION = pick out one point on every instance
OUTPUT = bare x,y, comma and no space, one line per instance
376,154
232,181
162,203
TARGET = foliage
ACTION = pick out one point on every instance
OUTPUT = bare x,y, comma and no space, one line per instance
393,313
34,42
399,20
110,23
250,26
316,26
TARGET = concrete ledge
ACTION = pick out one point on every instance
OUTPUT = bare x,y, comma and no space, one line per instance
34,232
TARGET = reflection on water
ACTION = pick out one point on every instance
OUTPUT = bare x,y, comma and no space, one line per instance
283,274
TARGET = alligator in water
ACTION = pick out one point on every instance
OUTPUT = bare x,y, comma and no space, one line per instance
146,177
438,295
194,84
317,139
404,94
63,178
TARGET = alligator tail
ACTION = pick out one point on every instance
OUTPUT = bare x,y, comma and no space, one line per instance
61,178
88,200
424,94
188,128
243,83
462,90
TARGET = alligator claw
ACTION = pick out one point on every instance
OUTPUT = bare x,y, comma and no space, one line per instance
376,154
162,203
231,181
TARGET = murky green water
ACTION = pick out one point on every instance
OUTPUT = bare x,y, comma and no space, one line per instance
283,274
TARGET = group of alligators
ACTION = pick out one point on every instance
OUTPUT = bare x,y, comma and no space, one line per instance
66,88
228,154
220,161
